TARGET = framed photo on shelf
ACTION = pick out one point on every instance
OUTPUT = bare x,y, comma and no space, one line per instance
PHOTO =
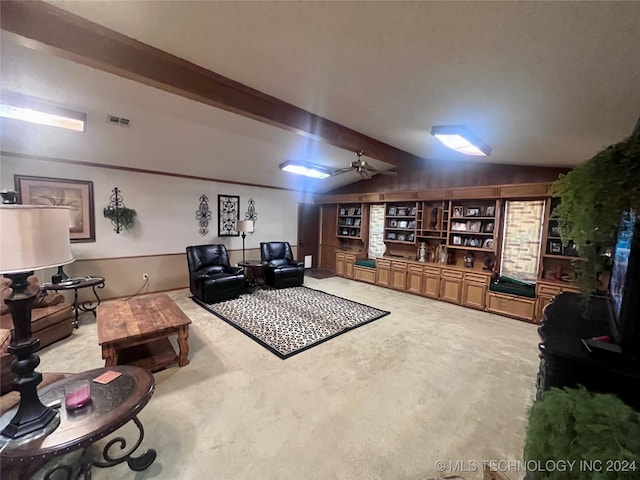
356,222
352,211
490,211
349,221
393,224
458,211
402,237
411,224
554,231
391,236
412,211
488,228
410,237
488,243
459,226
474,226
456,240
402,212
402,224
555,247
354,232
472,212
358,211
343,211
392,210
345,231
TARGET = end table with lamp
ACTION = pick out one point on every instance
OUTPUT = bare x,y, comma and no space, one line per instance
34,237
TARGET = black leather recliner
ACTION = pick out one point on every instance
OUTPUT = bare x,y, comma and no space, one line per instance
211,278
282,270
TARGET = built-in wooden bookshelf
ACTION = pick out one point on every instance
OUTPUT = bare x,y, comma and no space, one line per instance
401,222
351,220
473,225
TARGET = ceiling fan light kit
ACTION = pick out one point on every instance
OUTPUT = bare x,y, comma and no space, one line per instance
458,138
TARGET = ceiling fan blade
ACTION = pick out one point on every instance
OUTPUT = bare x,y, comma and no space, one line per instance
387,172
364,173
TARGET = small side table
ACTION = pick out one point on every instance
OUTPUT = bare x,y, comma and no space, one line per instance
76,283
254,272
112,405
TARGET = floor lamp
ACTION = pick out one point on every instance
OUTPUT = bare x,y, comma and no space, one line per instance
244,226
33,237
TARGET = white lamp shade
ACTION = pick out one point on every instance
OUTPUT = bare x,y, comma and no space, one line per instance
244,226
33,237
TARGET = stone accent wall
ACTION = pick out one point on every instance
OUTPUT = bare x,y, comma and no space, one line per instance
376,231
522,233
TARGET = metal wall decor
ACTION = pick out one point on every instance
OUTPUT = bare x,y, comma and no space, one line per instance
251,213
228,215
203,215
122,218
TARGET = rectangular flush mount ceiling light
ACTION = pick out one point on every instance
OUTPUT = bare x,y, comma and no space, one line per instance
460,139
36,111
306,169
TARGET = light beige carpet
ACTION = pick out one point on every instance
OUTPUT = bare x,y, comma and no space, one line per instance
432,381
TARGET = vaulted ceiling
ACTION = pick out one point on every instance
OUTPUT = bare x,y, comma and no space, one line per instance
543,83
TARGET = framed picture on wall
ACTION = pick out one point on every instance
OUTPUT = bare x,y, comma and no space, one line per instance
228,215
77,194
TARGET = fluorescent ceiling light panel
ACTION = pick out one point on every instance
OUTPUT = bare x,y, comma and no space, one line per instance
306,169
458,138
35,111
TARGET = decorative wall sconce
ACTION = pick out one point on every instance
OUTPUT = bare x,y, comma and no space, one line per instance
122,218
203,215
251,213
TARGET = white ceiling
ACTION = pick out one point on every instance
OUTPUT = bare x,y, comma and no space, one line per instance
543,83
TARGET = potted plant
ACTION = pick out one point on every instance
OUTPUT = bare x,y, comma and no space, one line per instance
122,218
574,434
593,197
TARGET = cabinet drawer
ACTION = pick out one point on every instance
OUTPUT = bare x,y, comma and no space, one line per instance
415,268
350,257
383,263
432,270
451,274
340,255
476,278
548,290
398,265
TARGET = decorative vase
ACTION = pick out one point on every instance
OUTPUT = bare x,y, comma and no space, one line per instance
422,252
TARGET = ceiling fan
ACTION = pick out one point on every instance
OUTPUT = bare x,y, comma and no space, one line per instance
362,167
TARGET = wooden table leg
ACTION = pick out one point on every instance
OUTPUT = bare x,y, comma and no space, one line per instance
183,343
110,356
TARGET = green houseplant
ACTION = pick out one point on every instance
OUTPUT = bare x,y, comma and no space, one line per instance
122,218
593,197
574,434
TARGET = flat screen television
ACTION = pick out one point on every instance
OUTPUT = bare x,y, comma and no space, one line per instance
624,286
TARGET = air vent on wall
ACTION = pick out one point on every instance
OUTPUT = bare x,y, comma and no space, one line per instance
118,120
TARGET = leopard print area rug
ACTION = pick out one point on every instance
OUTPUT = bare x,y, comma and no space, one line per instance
290,320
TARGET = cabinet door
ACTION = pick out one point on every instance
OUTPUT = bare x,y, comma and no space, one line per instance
474,295
450,289
431,285
340,264
383,275
349,265
414,280
399,275
541,302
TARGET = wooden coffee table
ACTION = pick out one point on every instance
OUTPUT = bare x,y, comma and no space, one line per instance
136,332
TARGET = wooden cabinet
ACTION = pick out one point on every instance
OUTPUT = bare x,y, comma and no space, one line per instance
450,286
345,264
434,222
383,272
473,225
351,221
556,260
430,282
414,279
364,274
511,305
400,222
546,291
399,275
474,290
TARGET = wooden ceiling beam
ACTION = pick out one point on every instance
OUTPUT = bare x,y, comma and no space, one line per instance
44,27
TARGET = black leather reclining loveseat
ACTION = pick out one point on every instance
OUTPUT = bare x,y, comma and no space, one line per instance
211,278
282,270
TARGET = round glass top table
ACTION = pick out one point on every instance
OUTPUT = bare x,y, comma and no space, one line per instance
76,283
112,405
